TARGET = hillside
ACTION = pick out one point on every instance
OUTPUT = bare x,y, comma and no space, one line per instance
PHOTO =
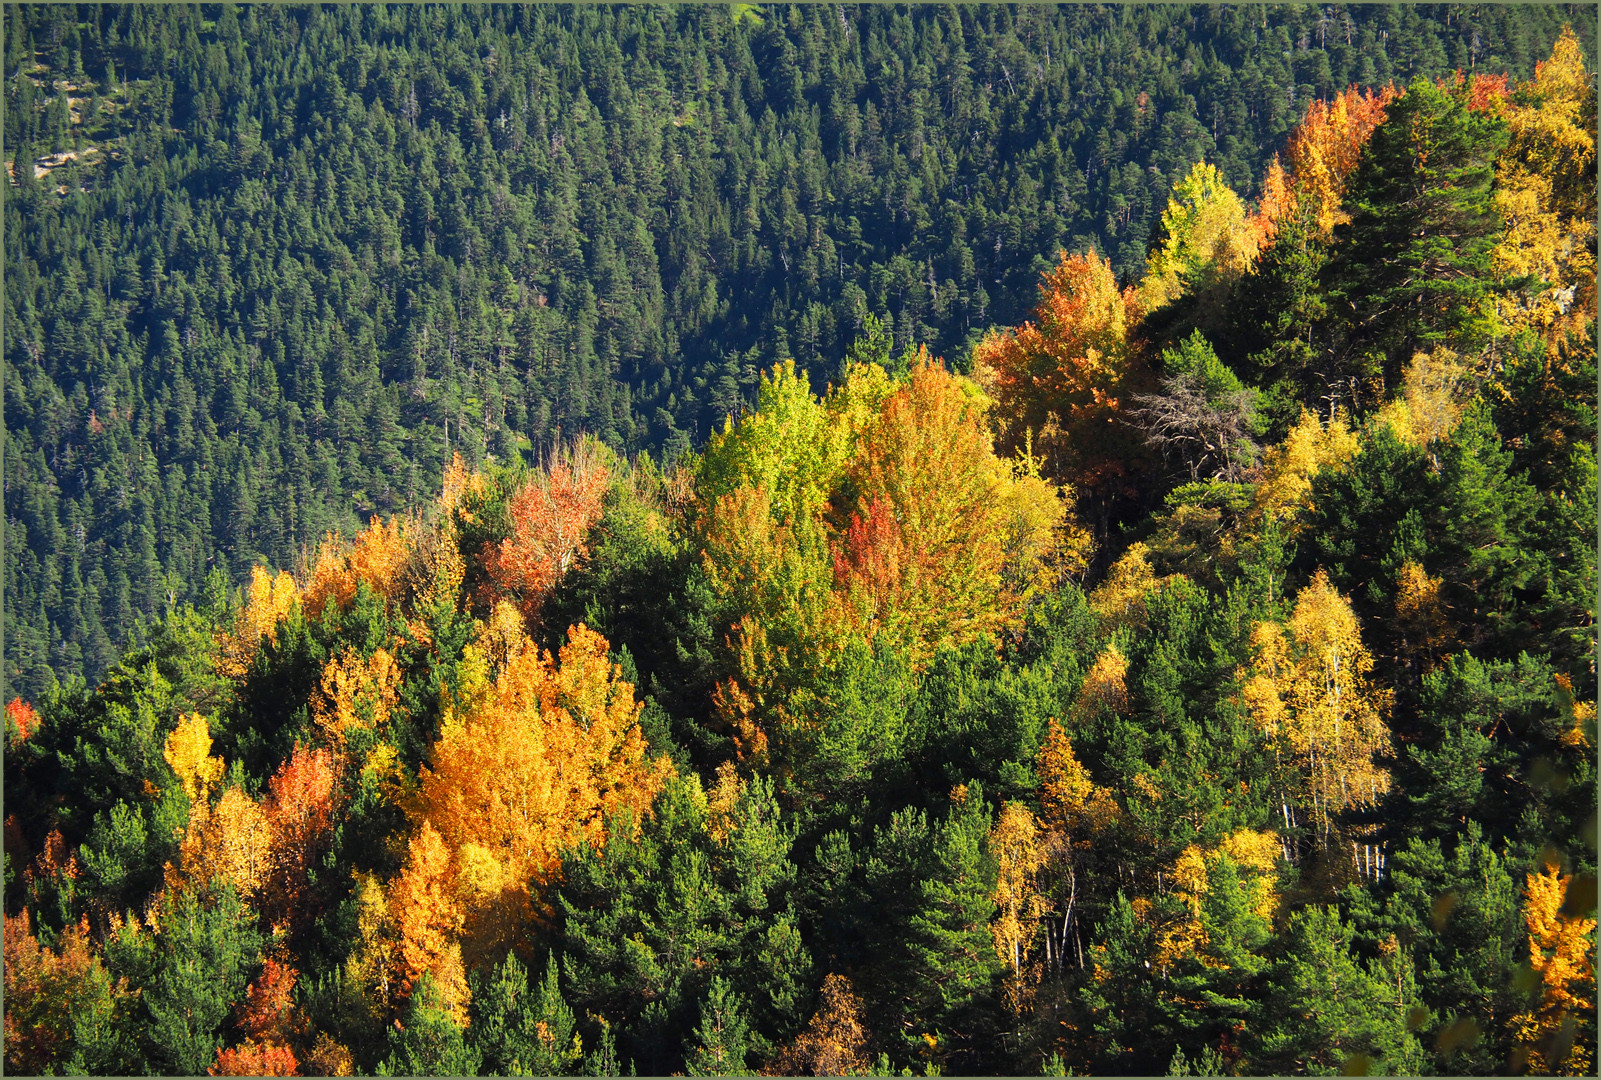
274,265
1196,676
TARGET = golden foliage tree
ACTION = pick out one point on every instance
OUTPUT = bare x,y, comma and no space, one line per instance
355,692
879,510
425,921
1075,814
834,1042
232,841
1105,688
1561,947
1325,147
378,557
1256,854
1119,600
1309,692
188,752
1545,191
1286,484
1017,846
267,600
1435,388
925,552
1277,203
554,748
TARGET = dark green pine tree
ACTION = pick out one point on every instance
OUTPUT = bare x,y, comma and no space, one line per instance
518,1029
1124,1015
1327,1013
427,1040
1279,324
1216,989
931,963
191,971
1412,267
719,1045
1455,906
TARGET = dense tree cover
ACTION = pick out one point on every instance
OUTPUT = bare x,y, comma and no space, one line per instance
1205,683
273,265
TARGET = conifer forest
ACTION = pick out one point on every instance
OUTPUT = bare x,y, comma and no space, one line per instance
822,539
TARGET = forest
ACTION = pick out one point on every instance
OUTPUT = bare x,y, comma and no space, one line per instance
277,264
1179,660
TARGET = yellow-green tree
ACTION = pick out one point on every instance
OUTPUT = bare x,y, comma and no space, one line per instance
1206,240
924,554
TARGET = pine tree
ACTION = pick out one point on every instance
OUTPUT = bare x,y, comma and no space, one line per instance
1414,266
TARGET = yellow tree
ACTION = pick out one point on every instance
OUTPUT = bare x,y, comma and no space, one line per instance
425,921
1105,688
268,599
1310,693
232,841
1560,949
791,447
355,693
188,752
1206,240
834,1043
1074,814
1546,193
777,578
1015,842
536,768
1325,147
1277,203
1286,485
1255,854
1434,390
1119,600
377,557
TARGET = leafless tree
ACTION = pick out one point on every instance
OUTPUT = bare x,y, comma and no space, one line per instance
1212,436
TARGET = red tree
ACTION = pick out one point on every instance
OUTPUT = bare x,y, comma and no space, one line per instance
551,518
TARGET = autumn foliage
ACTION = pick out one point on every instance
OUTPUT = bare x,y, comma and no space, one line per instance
267,600
834,1042
1062,380
1325,147
553,749
923,555
1546,194
270,1025
299,811
551,517
1561,952
23,715
1310,692
1254,786
45,990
